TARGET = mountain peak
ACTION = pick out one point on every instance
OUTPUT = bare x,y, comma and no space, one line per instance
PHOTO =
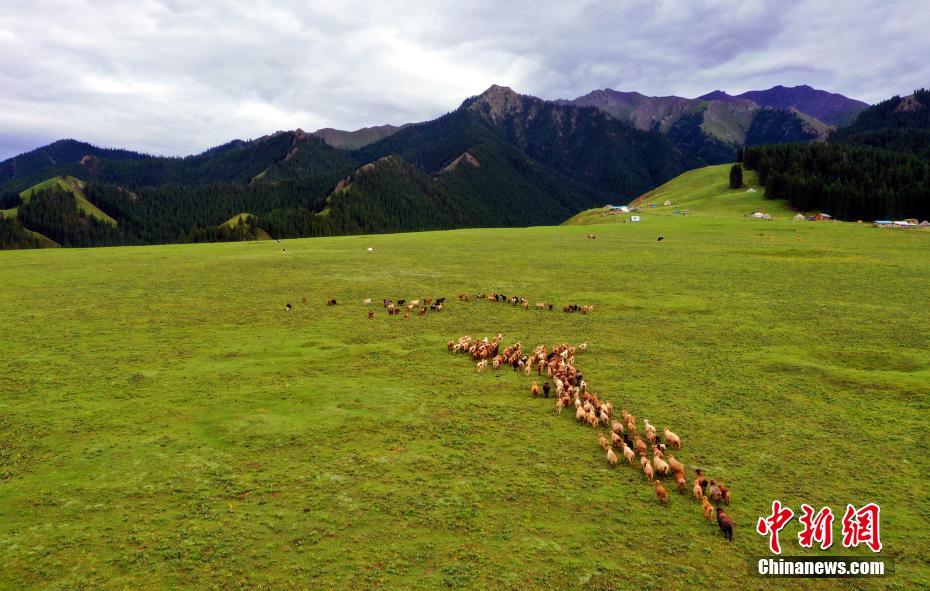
496,101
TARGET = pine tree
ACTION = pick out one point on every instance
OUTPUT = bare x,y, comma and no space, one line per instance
736,176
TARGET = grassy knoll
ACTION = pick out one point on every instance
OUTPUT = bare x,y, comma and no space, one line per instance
234,221
76,188
705,191
164,423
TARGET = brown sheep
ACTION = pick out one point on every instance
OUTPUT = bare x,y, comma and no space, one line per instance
640,446
559,405
616,439
708,508
371,314
675,465
616,426
680,479
592,420
672,439
724,493
725,524
602,441
661,493
534,390
580,414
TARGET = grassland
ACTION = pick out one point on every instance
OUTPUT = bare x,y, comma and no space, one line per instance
236,219
164,423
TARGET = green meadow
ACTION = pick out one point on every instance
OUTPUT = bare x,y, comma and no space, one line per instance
166,424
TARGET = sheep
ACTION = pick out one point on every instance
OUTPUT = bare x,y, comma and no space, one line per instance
331,302
602,441
611,457
707,508
628,453
680,480
647,469
415,302
534,390
661,493
580,414
615,439
672,439
661,465
540,306
366,302
615,426
725,524
371,314
640,446
583,347
482,365
592,420
713,491
697,490
724,493
675,465
287,307
559,405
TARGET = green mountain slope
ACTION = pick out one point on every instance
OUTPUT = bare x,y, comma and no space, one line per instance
704,191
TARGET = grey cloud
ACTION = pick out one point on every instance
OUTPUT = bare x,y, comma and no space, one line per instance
177,77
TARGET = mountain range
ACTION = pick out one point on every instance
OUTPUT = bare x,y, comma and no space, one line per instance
500,159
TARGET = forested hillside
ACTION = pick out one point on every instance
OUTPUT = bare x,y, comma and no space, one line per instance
878,167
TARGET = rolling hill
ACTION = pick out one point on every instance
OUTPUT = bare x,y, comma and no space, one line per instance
704,192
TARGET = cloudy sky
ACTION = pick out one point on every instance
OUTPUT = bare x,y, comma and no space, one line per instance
176,77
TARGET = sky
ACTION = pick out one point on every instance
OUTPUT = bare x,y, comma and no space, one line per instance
177,77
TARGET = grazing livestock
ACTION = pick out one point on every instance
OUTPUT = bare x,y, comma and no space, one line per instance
602,441
287,307
707,508
672,439
647,469
724,493
611,457
661,465
616,439
371,314
713,491
559,405
331,302
482,365
366,302
581,415
661,493
660,238
675,465
725,523
697,490
628,453
534,390
680,480
615,426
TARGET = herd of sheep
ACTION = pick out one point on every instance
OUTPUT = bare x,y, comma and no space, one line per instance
571,390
